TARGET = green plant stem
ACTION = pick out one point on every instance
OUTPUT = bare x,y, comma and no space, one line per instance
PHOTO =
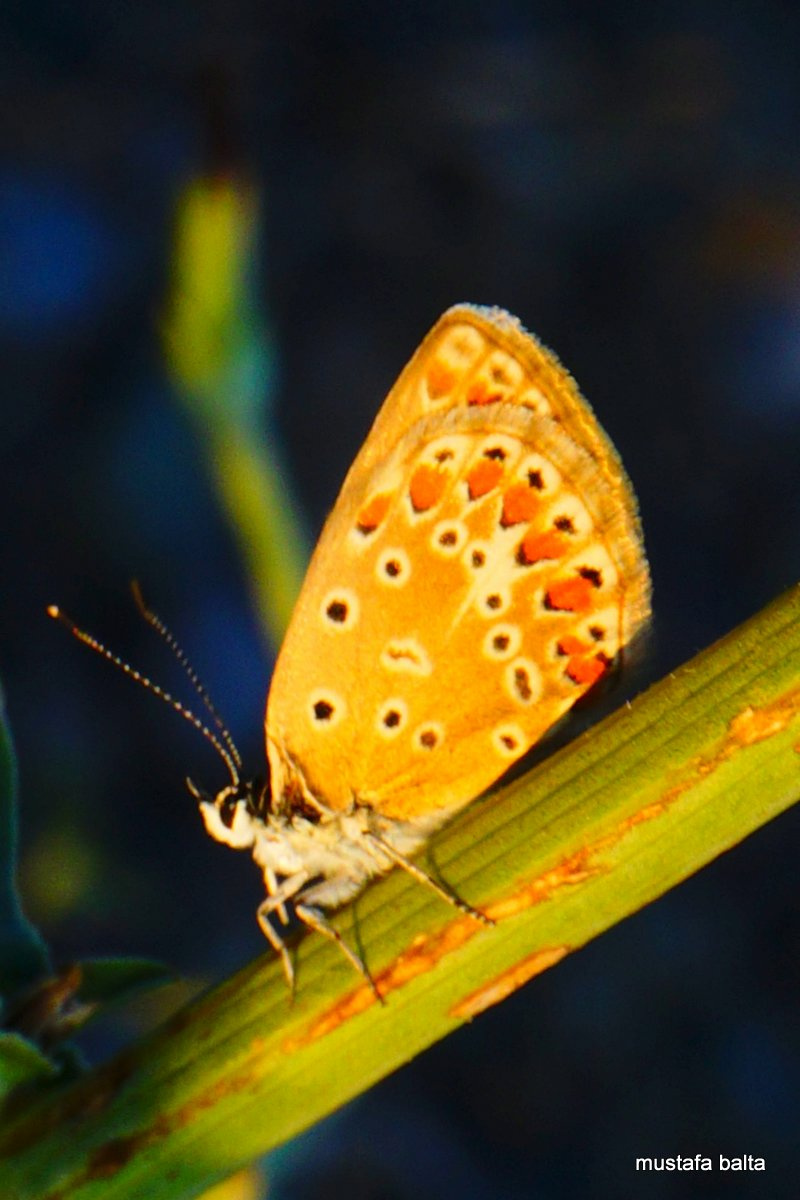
257,500
605,825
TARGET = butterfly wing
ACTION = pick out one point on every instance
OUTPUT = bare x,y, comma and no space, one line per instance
480,571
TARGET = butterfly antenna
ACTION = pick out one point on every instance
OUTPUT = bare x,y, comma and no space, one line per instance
231,762
169,638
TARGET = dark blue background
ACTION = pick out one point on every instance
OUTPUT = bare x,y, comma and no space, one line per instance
626,181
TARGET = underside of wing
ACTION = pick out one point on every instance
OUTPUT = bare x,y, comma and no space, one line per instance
481,570
478,356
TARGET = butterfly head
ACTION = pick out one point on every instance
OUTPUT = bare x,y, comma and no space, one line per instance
232,816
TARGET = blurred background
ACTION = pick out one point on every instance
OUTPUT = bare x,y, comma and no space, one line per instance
627,181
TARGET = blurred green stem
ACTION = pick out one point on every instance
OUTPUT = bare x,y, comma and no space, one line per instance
224,367
252,485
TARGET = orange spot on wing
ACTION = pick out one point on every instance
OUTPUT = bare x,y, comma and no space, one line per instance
439,380
571,645
483,477
373,513
585,670
519,504
570,595
478,393
537,546
426,487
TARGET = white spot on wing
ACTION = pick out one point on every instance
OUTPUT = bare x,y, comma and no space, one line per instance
476,555
536,463
536,400
325,708
606,621
448,537
568,505
428,736
509,446
392,717
393,567
508,740
340,609
596,557
494,601
523,681
447,452
502,642
461,346
406,655
504,370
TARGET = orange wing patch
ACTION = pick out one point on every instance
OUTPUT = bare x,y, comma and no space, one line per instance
426,487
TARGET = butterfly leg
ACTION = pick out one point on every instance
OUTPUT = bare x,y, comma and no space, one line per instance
423,877
275,940
279,894
315,919
271,881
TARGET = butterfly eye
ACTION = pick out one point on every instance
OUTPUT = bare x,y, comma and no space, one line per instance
227,811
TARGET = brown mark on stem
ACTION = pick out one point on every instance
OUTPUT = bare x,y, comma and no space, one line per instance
508,981
747,728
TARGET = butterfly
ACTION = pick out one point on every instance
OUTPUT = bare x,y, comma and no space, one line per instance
481,570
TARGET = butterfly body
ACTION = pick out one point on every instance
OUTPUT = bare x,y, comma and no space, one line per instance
481,570
336,850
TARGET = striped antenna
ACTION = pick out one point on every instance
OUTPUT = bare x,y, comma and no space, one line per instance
231,758
168,636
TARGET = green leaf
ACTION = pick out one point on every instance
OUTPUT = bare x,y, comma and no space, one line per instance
23,955
21,1062
603,827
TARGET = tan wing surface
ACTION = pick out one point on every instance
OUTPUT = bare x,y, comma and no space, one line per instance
481,569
